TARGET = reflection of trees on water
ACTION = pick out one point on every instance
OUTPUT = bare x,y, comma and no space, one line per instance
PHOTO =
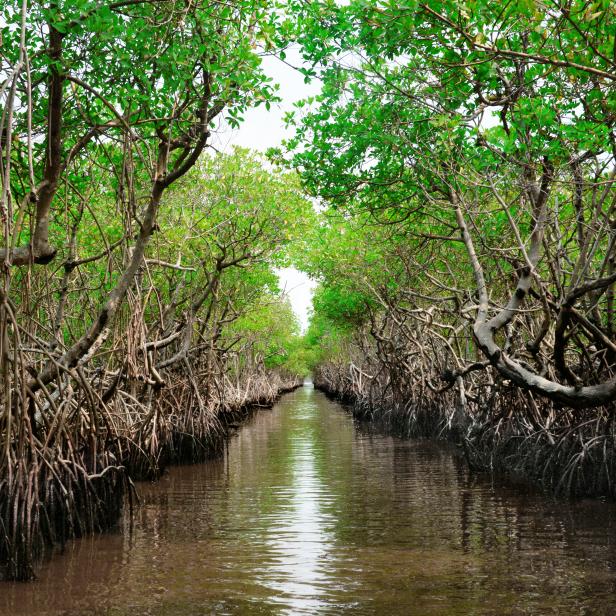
308,509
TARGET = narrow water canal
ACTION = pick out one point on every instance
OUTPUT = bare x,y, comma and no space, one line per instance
307,514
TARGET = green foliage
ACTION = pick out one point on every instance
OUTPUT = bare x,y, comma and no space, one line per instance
463,144
271,330
342,307
325,339
144,66
233,204
408,89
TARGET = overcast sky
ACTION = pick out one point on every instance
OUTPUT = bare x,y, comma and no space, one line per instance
263,129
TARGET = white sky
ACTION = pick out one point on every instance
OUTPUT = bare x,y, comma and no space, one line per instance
263,129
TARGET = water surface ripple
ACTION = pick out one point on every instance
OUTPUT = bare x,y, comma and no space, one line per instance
309,514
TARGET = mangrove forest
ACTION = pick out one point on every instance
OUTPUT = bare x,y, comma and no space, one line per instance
442,172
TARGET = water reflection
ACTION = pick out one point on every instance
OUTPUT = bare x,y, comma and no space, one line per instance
307,513
301,540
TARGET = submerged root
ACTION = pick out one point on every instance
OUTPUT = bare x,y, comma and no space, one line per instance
47,499
66,474
502,429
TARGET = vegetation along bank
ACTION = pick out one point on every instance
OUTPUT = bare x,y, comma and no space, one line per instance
466,151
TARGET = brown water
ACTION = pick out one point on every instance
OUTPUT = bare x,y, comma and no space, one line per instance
307,514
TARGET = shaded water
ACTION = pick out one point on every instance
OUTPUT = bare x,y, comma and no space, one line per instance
307,514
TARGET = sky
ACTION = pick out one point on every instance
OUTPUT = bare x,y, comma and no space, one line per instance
263,129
